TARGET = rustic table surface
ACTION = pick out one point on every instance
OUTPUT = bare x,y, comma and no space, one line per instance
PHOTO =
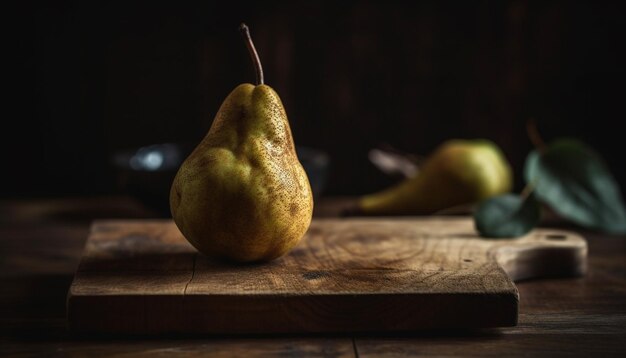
41,242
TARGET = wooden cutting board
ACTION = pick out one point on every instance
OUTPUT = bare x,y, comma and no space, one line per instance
347,275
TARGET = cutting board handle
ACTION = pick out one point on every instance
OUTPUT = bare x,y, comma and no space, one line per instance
545,254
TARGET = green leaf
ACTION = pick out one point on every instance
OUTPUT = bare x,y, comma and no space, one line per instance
507,216
573,179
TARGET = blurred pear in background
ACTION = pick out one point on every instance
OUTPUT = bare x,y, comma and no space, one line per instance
459,172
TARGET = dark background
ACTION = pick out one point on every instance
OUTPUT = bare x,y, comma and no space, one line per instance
90,78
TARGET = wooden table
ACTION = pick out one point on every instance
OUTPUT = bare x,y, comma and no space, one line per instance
41,241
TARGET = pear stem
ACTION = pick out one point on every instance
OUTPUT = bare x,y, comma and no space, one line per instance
245,32
527,190
535,137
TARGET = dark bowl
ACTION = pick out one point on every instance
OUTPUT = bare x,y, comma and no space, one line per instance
147,172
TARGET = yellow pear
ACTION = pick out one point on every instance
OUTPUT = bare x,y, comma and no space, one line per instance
242,194
458,172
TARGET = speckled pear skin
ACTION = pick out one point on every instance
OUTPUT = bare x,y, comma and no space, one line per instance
458,172
242,195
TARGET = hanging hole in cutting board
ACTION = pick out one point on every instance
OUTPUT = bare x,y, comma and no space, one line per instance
556,237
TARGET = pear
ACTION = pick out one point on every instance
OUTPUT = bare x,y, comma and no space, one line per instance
458,172
242,195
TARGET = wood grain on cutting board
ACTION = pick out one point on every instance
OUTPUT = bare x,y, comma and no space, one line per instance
347,275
